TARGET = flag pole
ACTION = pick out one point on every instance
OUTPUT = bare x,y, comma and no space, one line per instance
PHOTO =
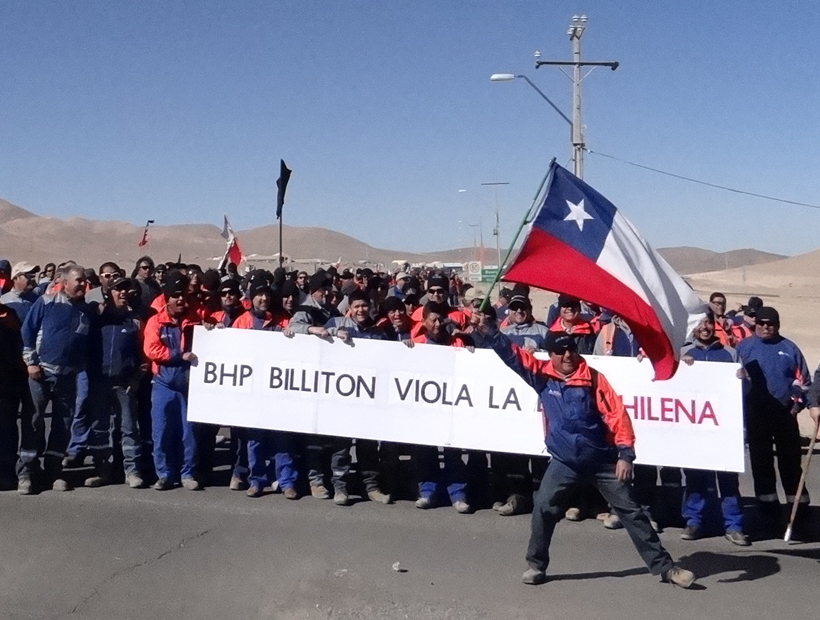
524,221
281,256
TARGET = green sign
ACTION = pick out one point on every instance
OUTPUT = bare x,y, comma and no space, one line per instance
488,274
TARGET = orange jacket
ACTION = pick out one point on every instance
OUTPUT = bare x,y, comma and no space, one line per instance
272,322
164,342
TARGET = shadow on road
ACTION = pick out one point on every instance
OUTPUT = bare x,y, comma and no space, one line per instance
629,572
810,554
750,567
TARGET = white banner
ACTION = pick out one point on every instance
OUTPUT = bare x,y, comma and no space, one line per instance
445,396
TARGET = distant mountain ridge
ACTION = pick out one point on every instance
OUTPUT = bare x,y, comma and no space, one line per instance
27,236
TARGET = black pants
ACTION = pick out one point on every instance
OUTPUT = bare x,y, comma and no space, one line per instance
551,503
775,425
9,437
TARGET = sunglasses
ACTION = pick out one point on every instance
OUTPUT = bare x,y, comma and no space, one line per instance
145,267
435,291
765,323
228,294
107,275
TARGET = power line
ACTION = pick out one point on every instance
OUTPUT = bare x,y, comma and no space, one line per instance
715,185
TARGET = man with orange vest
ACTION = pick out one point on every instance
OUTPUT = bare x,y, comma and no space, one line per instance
454,475
265,446
167,345
591,440
438,290
569,321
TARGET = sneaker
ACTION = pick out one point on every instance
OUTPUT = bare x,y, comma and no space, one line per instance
574,514
461,506
379,497
516,505
534,577
163,484
738,538
424,502
94,482
679,576
290,493
192,484
613,522
134,481
60,485
319,491
691,532
497,505
237,484
101,477
254,491
341,498
24,486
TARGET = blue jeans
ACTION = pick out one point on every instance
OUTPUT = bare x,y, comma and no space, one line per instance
83,417
61,392
239,452
270,457
108,397
175,451
551,504
701,497
431,477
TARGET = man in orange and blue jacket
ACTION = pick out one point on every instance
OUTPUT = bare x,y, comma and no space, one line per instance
590,439
167,345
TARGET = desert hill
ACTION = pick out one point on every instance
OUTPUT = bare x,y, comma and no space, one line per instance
27,236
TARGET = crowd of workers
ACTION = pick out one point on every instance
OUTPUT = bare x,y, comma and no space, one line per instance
110,353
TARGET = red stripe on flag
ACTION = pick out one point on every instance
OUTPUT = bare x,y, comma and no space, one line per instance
545,262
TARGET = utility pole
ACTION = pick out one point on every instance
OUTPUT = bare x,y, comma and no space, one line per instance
497,229
575,31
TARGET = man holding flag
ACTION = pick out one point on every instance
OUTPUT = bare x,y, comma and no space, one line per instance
604,260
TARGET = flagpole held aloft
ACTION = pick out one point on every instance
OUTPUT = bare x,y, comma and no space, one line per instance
525,220
282,186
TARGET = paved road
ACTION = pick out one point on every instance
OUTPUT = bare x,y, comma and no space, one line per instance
116,553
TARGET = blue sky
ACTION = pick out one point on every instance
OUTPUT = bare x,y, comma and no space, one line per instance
180,111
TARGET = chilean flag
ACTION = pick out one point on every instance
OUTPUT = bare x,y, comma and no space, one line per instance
580,244
233,254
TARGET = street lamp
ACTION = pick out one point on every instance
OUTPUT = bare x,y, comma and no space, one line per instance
575,31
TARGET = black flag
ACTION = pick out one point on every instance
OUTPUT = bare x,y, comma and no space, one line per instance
282,184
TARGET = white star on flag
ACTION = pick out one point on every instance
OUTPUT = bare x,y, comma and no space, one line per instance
577,214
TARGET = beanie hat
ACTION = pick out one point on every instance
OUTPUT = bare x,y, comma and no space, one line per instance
318,281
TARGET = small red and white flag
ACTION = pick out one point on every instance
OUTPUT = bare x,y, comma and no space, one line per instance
144,241
233,254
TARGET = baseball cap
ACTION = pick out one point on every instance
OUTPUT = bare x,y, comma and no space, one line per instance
559,342
565,301
767,313
120,282
23,268
473,294
753,306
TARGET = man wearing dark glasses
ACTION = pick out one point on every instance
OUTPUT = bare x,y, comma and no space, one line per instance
778,376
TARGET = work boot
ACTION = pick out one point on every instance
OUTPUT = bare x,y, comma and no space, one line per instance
691,532
516,505
738,538
24,486
377,496
60,485
319,491
613,522
163,484
533,577
74,462
424,502
679,576
192,484
462,507
101,477
134,480
237,484
574,514
290,493
341,498
497,506
254,491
